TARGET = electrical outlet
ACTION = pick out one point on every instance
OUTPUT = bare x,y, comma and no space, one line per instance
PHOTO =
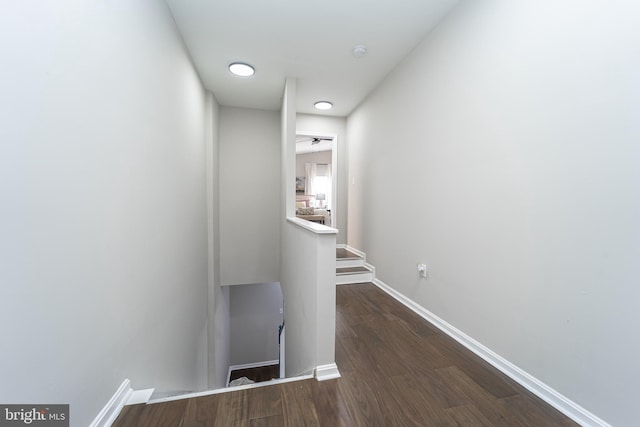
422,269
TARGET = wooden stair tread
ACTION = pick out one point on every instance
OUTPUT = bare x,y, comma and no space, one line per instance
342,253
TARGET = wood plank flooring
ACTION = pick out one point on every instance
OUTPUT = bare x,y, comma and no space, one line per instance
342,253
397,370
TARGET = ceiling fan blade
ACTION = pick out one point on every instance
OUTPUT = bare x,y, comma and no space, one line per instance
313,140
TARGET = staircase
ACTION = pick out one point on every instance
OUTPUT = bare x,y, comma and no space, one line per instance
351,268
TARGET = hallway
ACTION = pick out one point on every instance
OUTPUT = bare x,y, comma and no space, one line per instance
397,370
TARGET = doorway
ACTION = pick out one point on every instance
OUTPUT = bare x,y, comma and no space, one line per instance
316,177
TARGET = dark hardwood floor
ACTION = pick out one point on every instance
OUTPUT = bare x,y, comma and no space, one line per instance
397,370
342,253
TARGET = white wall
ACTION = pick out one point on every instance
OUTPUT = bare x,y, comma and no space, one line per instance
255,313
308,285
218,299
220,348
318,157
103,255
287,153
308,266
330,126
504,153
249,196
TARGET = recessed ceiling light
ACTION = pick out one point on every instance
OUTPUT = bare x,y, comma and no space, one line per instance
323,105
241,69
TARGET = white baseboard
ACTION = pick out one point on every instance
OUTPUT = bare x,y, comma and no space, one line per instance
327,372
112,409
230,389
534,385
140,396
370,267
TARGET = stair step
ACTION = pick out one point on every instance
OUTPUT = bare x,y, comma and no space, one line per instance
347,275
344,263
345,258
352,270
342,253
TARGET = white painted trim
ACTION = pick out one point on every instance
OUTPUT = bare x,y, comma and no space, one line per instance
347,279
112,409
361,270
140,396
327,372
345,263
534,385
230,389
314,227
341,246
370,267
249,365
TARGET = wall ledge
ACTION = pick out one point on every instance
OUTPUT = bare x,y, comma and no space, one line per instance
314,227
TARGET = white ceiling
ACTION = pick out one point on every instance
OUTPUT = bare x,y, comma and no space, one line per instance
304,144
309,40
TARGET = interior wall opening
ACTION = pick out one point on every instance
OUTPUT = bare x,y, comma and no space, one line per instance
316,178
256,320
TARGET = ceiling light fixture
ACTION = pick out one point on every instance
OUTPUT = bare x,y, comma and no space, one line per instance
241,69
323,105
359,51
